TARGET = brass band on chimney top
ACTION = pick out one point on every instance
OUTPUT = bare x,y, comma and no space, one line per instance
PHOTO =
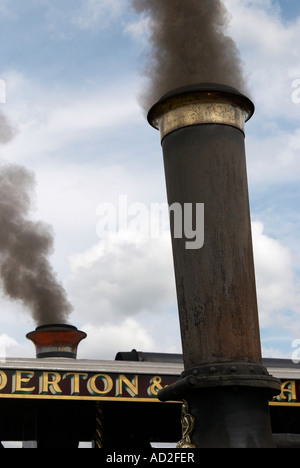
196,108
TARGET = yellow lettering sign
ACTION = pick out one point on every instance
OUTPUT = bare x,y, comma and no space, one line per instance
106,381
75,380
155,386
19,380
3,380
47,385
130,386
288,392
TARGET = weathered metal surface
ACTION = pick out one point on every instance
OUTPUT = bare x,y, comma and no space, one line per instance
221,375
59,340
205,163
216,288
230,417
196,105
215,284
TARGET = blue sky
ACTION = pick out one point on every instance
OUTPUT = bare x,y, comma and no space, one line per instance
73,77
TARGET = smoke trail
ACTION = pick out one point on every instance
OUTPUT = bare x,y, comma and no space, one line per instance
7,131
25,271
188,45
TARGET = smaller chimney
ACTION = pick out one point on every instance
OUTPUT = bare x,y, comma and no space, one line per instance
58,340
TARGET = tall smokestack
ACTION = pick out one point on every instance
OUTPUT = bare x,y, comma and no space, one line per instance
203,144
224,386
224,383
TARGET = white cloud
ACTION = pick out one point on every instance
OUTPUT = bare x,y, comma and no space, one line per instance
120,277
6,342
268,351
138,29
50,119
105,341
10,347
269,50
278,288
63,20
97,13
273,157
123,291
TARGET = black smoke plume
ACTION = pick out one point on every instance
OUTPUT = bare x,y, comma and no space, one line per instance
189,45
25,245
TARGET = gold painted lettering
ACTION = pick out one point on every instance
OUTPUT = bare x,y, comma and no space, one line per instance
47,385
155,386
3,380
130,386
75,381
288,392
19,378
106,381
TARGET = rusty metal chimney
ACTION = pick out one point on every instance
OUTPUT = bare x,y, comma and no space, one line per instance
224,385
56,340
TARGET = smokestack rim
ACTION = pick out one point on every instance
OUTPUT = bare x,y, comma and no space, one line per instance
56,326
56,340
171,111
203,87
